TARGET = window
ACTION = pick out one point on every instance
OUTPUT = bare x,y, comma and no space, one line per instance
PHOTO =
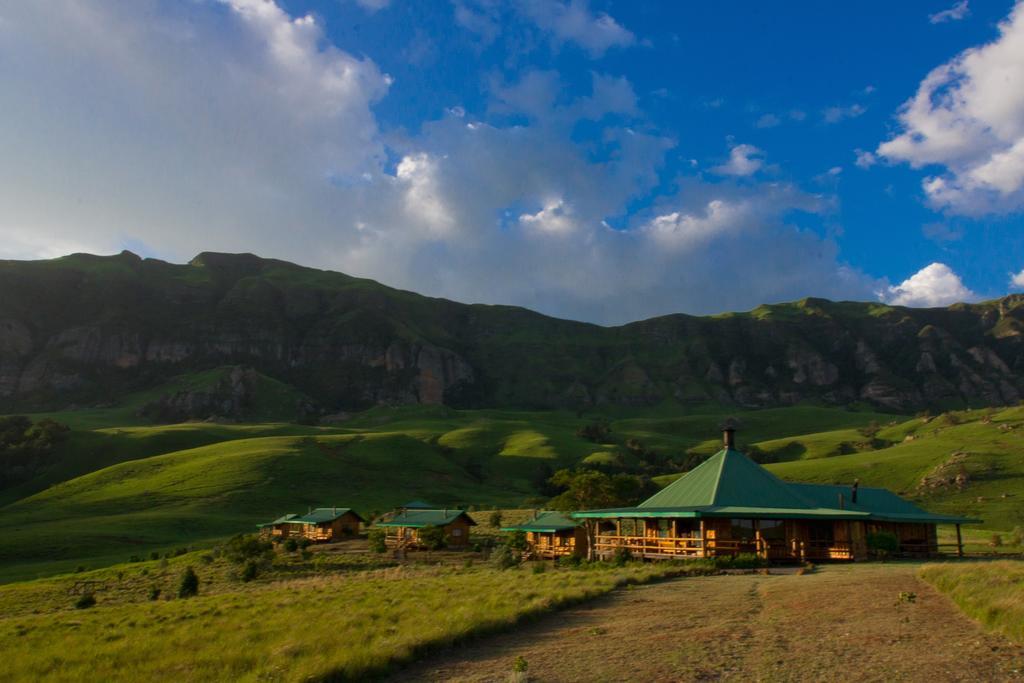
664,527
772,529
456,531
742,529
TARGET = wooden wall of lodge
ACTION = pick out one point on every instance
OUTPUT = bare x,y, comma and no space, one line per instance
456,534
550,545
773,539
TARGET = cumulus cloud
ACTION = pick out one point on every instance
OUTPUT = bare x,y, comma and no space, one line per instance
574,22
968,118
744,160
864,159
934,285
767,121
1017,280
235,126
958,11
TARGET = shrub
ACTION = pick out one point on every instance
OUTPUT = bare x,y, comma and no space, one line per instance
241,549
251,571
883,543
180,551
291,545
997,541
1017,536
539,568
495,519
135,558
154,593
206,558
86,601
189,586
154,555
740,561
621,556
79,569
377,542
505,557
570,561
431,537
517,541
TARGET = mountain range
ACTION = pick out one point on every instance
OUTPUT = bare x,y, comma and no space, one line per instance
85,330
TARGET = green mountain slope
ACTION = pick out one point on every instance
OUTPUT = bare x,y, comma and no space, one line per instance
90,330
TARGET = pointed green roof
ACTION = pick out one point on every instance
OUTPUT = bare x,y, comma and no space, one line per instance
728,479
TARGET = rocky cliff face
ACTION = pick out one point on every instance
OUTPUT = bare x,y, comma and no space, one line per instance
84,328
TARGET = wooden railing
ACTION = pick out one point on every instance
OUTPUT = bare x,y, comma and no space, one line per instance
672,546
552,551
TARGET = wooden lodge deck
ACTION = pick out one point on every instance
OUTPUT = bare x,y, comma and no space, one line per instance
685,547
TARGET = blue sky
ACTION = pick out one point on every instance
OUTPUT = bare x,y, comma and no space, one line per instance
604,161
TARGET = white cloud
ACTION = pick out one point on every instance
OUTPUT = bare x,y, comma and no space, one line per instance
1017,280
934,285
958,11
767,121
574,22
841,113
865,159
236,127
744,160
373,5
968,117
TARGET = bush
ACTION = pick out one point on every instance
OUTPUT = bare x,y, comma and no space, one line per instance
291,545
570,561
431,537
154,555
189,586
241,549
135,558
997,541
154,593
505,557
621,556
1017,536
516,540
377,540
539,568
740,561
494,519
251,571
883,544
86,601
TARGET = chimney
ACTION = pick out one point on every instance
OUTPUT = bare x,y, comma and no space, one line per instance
729,437
853,491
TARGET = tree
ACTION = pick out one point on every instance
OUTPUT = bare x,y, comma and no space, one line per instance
189,586
377,540
588,489
495,519
431,537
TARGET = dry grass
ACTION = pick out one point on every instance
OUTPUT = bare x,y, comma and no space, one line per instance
837,623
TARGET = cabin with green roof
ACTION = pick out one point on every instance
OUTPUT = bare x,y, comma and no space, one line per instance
403,525
729,505
551,535
320,525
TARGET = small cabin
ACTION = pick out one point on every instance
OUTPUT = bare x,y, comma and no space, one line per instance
551,535
321,525
280,528
402,527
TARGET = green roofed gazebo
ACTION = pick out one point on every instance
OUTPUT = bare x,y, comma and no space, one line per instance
730,504
552,535
402,527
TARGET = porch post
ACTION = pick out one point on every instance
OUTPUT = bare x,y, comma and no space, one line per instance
959,542
703,539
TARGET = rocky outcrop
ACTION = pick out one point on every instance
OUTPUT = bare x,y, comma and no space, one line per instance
87,329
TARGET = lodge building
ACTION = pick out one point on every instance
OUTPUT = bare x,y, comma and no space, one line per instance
402,527
551,535
322,525
730,505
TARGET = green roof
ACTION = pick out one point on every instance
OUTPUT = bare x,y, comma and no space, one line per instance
727,478
418,505
546,522
323,515
420,518
279,520
729,484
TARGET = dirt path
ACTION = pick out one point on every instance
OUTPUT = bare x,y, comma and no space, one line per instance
840,623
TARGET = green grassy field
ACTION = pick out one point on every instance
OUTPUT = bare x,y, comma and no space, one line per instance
339,625
990,592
